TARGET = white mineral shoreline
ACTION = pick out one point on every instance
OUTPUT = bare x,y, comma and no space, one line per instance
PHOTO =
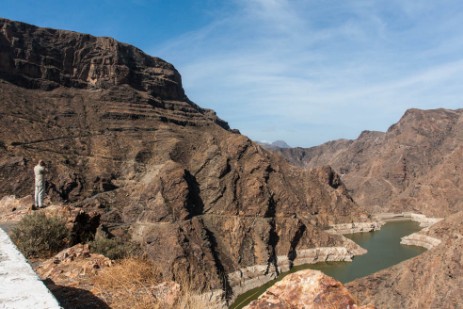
421,240
405,216
416,239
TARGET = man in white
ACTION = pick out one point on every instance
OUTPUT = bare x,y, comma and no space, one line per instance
39,171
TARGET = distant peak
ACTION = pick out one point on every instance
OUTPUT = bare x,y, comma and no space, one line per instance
280,144
275,144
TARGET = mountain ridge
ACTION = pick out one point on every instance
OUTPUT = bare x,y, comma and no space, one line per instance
392,170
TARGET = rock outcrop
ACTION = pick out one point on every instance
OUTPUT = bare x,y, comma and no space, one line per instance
307,289
433,279
124,144
415,166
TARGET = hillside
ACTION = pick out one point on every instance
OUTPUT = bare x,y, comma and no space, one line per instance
414,166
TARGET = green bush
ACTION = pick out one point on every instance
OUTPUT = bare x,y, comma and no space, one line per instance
37,235
114,248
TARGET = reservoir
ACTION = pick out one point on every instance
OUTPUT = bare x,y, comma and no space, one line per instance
384,250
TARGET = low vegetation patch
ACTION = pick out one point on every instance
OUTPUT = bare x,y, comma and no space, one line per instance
39,236
114,248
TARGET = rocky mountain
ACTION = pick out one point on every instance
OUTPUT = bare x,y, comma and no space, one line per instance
414,166
124,144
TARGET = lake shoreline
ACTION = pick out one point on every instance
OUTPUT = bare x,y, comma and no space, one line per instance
379,221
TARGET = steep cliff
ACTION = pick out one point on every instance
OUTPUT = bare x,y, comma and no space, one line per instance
415,166
124,143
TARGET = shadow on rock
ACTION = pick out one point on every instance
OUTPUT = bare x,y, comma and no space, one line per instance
74,298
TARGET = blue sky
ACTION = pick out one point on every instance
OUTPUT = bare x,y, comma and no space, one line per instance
302,71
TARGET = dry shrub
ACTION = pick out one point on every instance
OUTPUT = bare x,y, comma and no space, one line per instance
131,283
37,235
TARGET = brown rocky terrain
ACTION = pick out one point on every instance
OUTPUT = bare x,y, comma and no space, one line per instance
433,279
414,166
126,147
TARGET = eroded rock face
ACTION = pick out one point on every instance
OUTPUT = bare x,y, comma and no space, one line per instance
433,279
47,59
414,166
306,289
124,144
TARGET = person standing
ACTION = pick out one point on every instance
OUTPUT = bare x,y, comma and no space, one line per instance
39,171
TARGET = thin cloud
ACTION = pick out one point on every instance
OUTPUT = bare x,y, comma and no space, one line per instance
276,68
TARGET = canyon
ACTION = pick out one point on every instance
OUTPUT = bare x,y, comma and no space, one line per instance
130,155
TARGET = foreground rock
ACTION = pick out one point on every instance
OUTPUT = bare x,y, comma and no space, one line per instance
126,146
306,289
415,166
433,279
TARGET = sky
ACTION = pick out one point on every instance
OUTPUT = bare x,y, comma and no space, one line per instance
302,71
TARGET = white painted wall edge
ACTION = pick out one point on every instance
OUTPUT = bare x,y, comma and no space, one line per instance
20,286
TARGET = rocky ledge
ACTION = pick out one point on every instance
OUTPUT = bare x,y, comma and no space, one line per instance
307,289
421,240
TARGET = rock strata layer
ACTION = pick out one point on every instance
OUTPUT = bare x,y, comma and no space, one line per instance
125,145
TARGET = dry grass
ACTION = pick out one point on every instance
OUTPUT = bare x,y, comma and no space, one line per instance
134,283
128,285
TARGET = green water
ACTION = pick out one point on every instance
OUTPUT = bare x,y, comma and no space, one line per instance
384,250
